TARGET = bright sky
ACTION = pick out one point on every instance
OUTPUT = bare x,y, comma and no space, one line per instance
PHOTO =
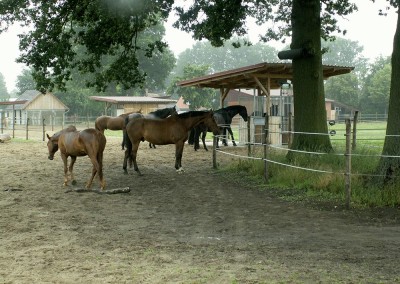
375,33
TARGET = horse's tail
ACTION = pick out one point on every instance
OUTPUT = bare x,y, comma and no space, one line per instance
127,143
97,124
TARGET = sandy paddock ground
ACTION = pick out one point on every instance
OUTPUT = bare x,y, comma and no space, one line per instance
202,226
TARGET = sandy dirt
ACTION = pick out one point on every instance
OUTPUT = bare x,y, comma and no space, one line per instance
202,226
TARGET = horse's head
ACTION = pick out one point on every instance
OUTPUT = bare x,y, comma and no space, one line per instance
52,146
211,124
243,113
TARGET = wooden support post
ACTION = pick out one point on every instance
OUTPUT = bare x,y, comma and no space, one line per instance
354,144
290,129
265,142
13,120
248,137
215,152
348,163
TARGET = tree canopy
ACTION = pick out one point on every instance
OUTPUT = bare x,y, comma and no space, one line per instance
3,89
112,28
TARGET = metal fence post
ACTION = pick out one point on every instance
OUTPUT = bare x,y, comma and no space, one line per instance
348,163
354,144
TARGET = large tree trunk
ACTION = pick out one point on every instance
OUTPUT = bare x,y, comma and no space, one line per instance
308,85
391,166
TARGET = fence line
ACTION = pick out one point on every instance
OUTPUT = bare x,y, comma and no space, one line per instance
347,173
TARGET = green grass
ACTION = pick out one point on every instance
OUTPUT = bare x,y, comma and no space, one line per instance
299,184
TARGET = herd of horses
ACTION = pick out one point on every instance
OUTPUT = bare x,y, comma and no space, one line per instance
161,127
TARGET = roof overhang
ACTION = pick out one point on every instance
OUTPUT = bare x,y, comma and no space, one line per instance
131,100
249,77
21,102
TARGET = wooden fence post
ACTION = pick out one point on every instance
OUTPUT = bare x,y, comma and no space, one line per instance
44,130
248,137
348,163
215,152
27,128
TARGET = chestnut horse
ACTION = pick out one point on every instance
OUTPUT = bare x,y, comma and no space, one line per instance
112,123
171,130
73,143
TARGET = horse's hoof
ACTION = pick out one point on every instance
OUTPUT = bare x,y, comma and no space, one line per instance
180,170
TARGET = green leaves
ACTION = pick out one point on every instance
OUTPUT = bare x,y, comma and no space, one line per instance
103,28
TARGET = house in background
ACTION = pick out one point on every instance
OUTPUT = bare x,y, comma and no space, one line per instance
338,111
116,105
34,108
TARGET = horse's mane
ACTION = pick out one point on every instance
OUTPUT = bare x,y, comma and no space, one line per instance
232,107
161,112
192,113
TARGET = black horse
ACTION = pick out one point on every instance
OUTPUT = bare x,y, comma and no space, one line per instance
223,117
161,113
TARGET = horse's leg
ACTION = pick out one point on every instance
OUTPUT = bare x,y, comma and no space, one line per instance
196,138
178,155
203,138
124,166
95,169
224,139
231,133
100,171
65,161
97,161
71,170
135,147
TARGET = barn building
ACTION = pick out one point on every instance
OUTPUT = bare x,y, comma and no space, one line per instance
116,105
33,107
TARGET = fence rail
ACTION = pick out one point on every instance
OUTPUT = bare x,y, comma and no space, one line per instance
36,129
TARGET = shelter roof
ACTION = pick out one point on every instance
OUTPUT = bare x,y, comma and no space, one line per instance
131,100
244,77
27,97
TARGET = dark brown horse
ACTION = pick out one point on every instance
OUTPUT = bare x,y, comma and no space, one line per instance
171,130
161,113
73,143
112,123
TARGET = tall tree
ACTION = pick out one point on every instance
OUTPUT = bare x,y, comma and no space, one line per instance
225,57
389,167
3,89
194,97
104,27
25,81
344,89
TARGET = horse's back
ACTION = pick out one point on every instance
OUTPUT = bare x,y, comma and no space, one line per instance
82,143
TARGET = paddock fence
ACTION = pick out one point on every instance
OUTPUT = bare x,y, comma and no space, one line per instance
345,137
36,129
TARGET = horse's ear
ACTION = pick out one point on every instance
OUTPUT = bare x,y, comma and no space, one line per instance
48,136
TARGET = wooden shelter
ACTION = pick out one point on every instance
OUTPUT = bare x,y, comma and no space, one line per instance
261,78
32,107
116,105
